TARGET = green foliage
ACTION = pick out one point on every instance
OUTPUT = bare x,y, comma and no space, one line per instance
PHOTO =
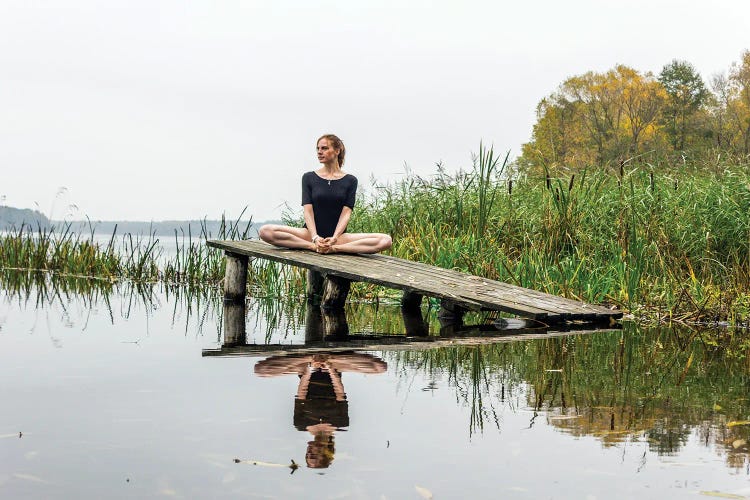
657,242
66,253
662,243
687,95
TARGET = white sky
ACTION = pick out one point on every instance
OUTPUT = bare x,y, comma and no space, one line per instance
153,110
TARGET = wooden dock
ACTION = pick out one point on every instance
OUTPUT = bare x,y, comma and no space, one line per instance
318,342
458,291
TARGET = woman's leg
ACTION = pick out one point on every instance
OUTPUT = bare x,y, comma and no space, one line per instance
362,243
286,236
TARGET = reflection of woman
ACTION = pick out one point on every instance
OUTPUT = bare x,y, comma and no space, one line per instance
320,406
328,196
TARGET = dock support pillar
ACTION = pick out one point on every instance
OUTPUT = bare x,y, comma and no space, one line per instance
324,325
235,277
314,289
234,324
335,325
411,301
335,290
411,313
451,313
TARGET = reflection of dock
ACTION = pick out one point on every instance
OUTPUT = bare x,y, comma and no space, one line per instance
458,291
328,332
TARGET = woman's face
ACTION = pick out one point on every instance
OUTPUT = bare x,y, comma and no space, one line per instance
327,154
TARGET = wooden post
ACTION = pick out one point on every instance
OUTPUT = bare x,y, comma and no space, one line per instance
235,277
335,324
335,290
451,313
314,286
313,323
414,324
234,323
411,301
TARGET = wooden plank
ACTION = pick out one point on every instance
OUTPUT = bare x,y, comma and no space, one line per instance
471,292
440,286
468,337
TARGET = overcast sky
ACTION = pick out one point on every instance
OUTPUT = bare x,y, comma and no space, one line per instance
154,110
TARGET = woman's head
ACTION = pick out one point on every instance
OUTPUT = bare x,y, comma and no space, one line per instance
336,144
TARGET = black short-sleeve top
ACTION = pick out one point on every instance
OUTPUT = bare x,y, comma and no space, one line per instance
328,198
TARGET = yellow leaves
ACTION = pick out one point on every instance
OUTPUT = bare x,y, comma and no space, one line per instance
598,117
735,423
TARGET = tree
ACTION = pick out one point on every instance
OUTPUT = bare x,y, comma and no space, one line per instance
597,119
687,94
739,76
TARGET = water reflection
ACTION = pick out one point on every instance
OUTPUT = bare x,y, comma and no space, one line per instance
641,408
663,386
320,405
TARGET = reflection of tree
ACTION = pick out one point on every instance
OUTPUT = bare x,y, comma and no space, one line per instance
661,385
320,406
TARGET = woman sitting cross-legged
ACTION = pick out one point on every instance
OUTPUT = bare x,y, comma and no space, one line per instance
328,196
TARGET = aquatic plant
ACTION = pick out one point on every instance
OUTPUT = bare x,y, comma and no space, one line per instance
657,242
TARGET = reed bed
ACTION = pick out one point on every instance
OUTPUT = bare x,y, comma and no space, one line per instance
661,243
140,259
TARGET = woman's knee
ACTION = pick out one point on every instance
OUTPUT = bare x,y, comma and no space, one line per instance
386,241
265,233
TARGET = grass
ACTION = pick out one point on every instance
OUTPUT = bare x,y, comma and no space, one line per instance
662,243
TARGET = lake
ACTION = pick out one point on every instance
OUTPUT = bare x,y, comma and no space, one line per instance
112,392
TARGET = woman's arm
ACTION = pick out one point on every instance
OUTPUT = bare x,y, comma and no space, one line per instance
346,214
309,215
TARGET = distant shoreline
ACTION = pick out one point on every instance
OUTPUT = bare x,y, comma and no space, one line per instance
13,218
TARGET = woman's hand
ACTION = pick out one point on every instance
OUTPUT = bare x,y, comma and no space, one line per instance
319,243
325,245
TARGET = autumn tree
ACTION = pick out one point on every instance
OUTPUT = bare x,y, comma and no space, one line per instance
739,76
602,119
596,119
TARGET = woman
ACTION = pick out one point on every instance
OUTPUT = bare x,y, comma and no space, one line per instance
327,201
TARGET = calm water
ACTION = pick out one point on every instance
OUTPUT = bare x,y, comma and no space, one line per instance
107,394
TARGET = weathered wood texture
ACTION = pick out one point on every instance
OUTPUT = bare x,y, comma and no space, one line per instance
314,286
470,292
235,276
335,291
468,337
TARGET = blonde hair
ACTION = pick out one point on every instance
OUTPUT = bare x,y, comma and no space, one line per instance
337,144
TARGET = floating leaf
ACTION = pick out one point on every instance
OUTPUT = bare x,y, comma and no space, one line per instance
738,442
738,422
423,492
717,407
